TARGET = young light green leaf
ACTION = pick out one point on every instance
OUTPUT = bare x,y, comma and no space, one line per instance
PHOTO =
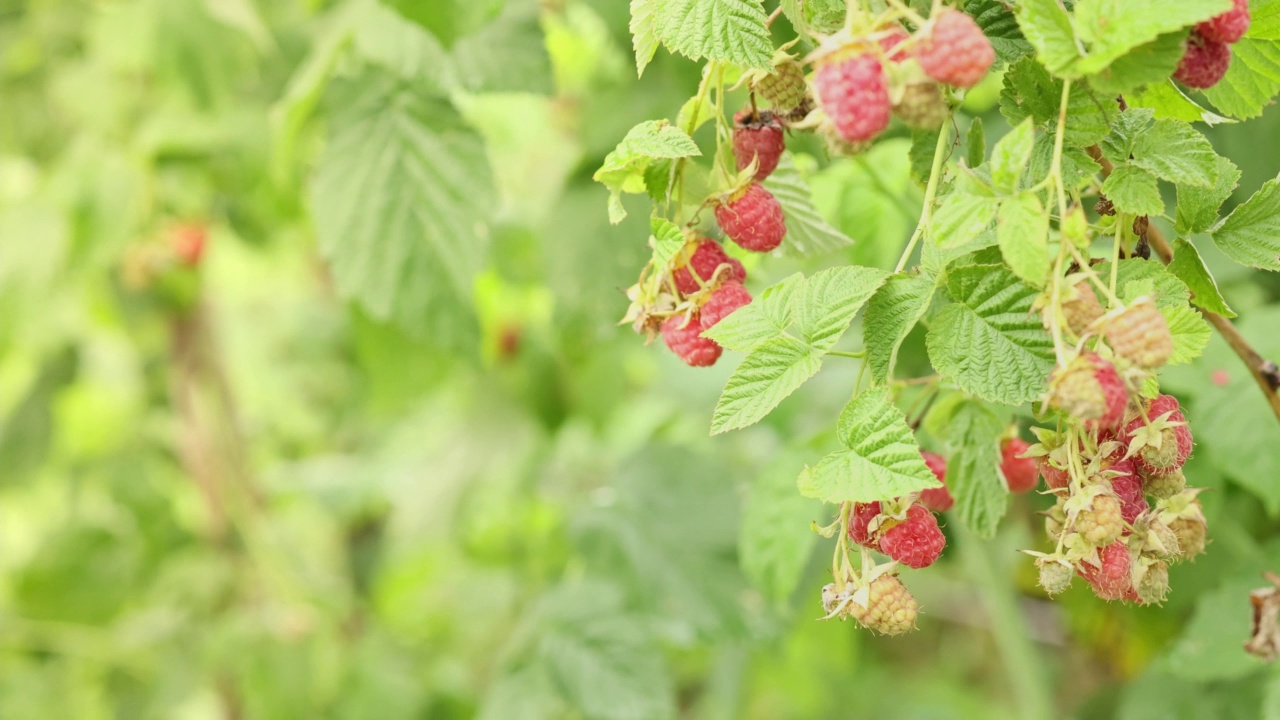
808,232
1010,155
1022,231
980,493
989,342
891,314
1172,150
1168,101
402,241
1112,28
1198,207
1030,91
772,371
1047,26
1134,190
961,218
1252,80
1151,62
764,318
643,40
1190,333
623,169
1250,235
882,459
667,240
731,31
829,300
775,541
1189,267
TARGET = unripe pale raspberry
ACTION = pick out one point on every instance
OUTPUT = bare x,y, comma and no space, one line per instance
1140,335
753,219
726,298
1090,389
1055,519
922,106
1228,27
1204,63
759,138
954,50
890,610
1020,473
838,146
936,499
1111,580
1102,522
1128,487
859,523
1165,485
1082,308
785,88
1055,577
1162,543
1191,533
1153,588
1175,439
851,89
703,262
915,542
685,340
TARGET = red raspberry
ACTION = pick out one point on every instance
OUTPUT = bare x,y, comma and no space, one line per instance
758,137
936,499
1228,27
891,43
1128,487
685,340
1020,473
955,51
724,300
890,610
860,520
1175,442
705,259
753,219
1056,478
1090,389
852,91
188,242
915,542
1111,580
1204,63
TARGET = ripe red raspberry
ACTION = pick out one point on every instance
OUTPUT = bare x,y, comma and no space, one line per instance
1055,477
759,137
852,91
1204,63
1128,487
1140,335
785,88
859,523
188,243
1111,580
1090,389
922,106
703,262
936,499
915,542
753,219
891,40
1228,27
955,51
1163,445
724,300
1020,473
1082,308
890,610
684,339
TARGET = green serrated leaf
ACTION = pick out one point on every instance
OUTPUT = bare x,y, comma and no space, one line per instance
731,31
775,541
1172,150
1133,190
667,240
989,342
643,40
1136,276
1250,235
1117,146
1001,28
1047,26
923,145
764,318
1189,267
623,169
961,218
1151,62
891,314
772,371
808,232
1030,92
972,469
1252,81
1198,207
403,241
1190,334
829,300
1168,101
1022,231
1010,155
1112,28
882,459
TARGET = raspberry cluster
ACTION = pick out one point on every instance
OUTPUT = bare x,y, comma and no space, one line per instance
1208,51
861,84
708,284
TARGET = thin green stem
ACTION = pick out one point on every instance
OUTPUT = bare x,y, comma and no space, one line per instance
1115,254
930,192
843,353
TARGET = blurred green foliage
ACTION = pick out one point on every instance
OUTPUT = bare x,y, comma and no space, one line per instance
227,492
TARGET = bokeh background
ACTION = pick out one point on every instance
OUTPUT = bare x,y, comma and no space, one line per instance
290,479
